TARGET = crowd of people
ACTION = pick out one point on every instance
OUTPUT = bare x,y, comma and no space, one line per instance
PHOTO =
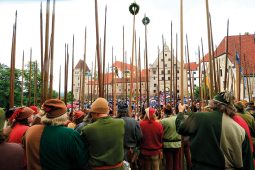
216,137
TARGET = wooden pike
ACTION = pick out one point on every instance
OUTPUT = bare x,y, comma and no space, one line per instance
147,68
136,77
59,85
100,84
123,65
66,73
205,86
164,72
191,87
132,64
46,53
213,57
91,94
12,65
35,83
22,81
237,64
84,70
126,79
80,88
171,64
176,69
226,62
140,76
104,50
107,86
112,74
209,53
181,53
72,97
52,49
95,88
30,82
158,79
42,66
247,79
114,95
199,77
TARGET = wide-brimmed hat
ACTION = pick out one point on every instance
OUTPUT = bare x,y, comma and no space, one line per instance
78,114
100,105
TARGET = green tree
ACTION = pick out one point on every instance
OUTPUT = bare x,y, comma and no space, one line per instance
5,86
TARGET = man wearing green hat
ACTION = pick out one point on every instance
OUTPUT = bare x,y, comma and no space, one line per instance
217,141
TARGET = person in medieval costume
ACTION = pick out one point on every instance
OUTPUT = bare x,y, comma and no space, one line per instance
151,147
171,140
217,141
51,145
105,138
133,135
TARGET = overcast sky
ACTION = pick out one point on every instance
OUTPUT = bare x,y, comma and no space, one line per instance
72,16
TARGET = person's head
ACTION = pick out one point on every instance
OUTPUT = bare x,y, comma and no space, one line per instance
239,107
99,108
150,114
22,115
224,102
250,108
78,116
55,112
168,109
122,109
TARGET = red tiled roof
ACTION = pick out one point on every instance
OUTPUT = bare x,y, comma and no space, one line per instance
80,64
247,50
193,66
119,65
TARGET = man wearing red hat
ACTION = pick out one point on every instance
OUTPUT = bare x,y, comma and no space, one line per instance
51,145
151,147
19,123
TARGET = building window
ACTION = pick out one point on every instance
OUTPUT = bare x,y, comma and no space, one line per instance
154,72
154,78
168,78
162,78
168,71
195,78
177,71
165,65
177,78
221,72
194,72
155,85
165,55
162,59
169,59
162,72
154,91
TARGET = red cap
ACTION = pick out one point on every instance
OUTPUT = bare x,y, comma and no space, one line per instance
34,108
78,114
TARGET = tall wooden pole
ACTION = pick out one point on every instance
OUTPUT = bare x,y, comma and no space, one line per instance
59,85
22,81
171,64
42,66
136,77
91,94
237,64
158,79
191,89
123,65
164,70
181,53
247,78
140,76
52,49
84,69
66,73
226,62
72,97
114,92
209,53
176,69
104,50
30,81
100,84
12,65
107,90
205,84
113,69
146,21
213,56
46,53
35,83
199,77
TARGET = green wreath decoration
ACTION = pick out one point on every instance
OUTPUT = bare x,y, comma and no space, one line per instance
134,8
146,20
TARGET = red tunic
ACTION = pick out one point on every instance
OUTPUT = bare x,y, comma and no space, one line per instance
17,133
